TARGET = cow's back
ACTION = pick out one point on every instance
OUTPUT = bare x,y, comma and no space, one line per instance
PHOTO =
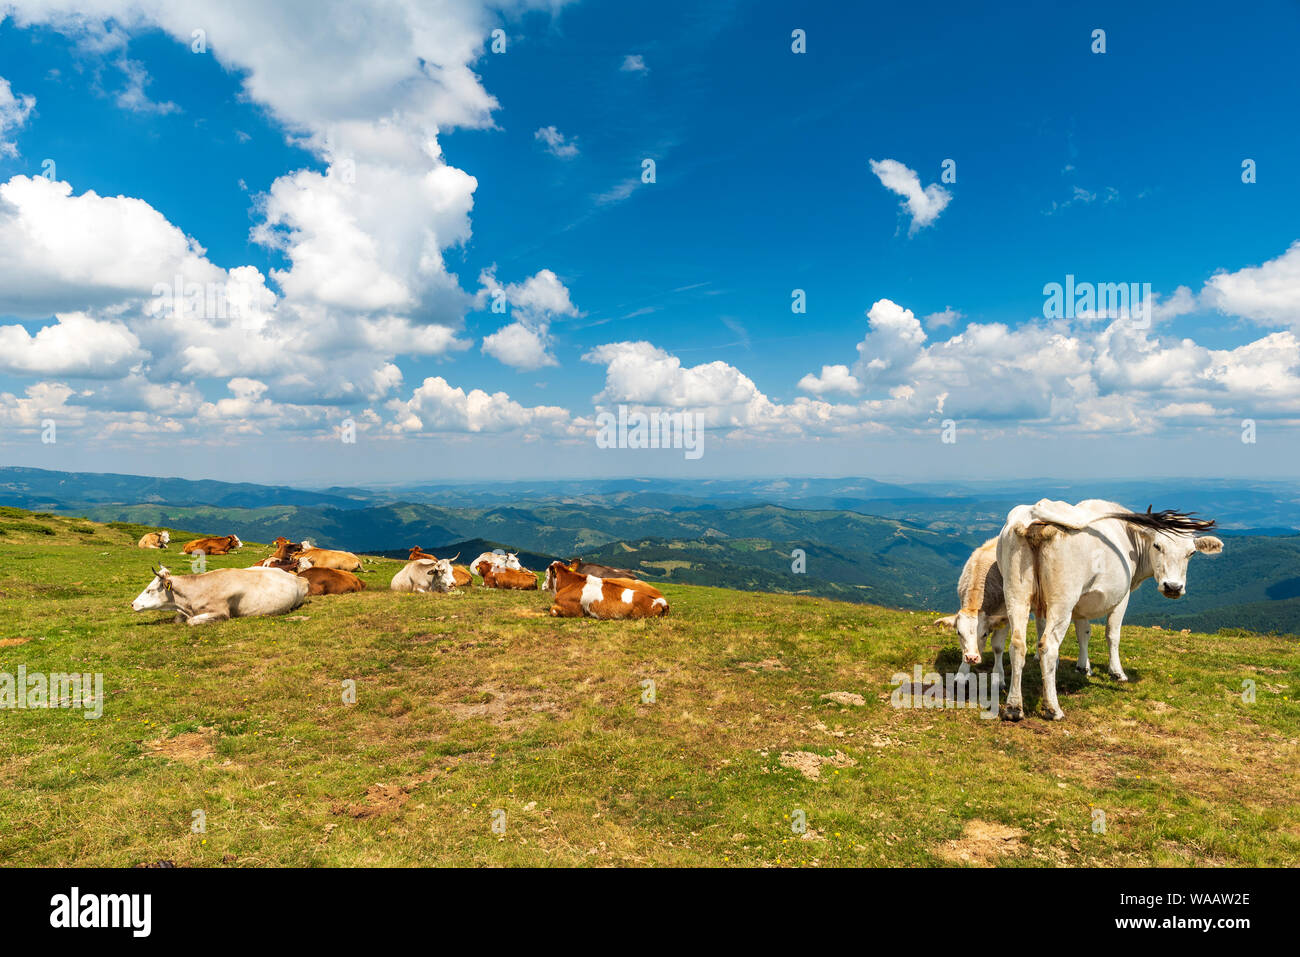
244,591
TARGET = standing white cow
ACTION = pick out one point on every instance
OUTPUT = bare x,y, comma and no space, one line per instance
1082,561
425,575
225,593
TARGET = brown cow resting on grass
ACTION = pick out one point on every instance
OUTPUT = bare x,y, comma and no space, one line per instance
579,596
517,579
330,581
459,572
155,540
213,546
586,568
285,556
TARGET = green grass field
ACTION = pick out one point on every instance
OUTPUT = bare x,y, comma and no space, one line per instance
472,704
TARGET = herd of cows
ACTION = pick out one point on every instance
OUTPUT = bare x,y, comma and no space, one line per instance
1062,563
285,579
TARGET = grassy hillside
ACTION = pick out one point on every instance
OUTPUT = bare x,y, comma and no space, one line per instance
471,703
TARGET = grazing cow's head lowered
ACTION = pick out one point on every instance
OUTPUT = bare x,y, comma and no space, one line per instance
972,628
158,595
1170,539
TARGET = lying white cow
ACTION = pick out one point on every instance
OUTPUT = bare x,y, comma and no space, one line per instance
225,593
425,575
1082,561
495,560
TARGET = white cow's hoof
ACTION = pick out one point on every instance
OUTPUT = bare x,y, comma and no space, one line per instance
1087,670
1012,712
1119,676
1056,715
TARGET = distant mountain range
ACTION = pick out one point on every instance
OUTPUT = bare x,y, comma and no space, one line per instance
860,540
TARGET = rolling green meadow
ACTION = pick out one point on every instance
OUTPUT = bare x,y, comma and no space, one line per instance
745,729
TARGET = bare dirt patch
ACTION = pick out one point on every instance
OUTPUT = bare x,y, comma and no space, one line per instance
810,765
188,748
981,844
389,798
845,698
767,664
11,642
499,707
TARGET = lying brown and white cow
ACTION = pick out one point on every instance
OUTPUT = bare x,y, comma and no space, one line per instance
511,578
460,572
225,593
155,540
329,581
424,575
285,556
585,568
578,596
213,546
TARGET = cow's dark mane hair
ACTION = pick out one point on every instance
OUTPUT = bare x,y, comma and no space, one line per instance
1168,520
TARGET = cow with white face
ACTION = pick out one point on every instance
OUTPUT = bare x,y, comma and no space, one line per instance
1083,561
425,575
222,594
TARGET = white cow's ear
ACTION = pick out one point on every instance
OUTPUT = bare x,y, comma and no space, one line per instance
949,622
1209,545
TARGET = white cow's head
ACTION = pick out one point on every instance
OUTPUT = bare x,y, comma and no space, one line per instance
1169,553
512,561
164,538
238,543
972,628
440,575
158,595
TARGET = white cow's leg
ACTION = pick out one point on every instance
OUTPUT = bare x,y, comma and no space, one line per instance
1113,624
1018,624
963,673
1082,631
1057,623
999,645
207,618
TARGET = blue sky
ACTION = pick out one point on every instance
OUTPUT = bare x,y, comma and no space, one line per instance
298,143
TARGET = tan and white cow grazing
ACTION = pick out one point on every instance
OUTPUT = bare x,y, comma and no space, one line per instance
579,596
223,545
425,575
225,593
155,540
329,558
1083,561
983,610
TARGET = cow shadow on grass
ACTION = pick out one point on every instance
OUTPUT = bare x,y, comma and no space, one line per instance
1070,681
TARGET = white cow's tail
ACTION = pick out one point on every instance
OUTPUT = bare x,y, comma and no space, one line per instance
1042,520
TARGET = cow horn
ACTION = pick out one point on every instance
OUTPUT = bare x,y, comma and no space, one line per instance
456,556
